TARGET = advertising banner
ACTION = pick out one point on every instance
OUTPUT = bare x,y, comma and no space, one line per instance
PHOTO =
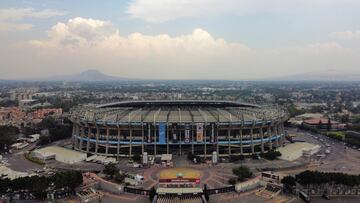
162,139
174,132
187,133
148,128
199,132
212,133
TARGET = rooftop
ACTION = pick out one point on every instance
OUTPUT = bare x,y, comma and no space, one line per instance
183,111
178,103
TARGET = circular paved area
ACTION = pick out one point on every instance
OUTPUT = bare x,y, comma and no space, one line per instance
173,173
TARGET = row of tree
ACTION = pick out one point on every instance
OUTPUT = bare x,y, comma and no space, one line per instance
270,155
318,178
57,130
113,172
40,185
7,137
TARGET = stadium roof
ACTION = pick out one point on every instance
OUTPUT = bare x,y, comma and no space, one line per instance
177,103
189,111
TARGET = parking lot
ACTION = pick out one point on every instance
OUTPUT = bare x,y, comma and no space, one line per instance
339,158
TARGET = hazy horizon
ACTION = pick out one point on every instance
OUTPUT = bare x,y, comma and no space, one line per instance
172,39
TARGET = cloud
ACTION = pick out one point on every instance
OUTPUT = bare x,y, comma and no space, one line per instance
345,35
5,27
21,13
81,33
10,17
167,10
83,43
90,43
160,11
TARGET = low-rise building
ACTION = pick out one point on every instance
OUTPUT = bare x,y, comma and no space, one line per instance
60,154
323,123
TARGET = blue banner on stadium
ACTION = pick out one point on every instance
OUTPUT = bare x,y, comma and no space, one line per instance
162,139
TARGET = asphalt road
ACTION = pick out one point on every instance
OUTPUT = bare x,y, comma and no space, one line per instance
340,158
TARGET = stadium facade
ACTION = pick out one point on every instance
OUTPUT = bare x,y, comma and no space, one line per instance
177,127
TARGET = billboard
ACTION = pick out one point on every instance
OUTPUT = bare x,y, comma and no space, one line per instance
187,133
162,139
199,132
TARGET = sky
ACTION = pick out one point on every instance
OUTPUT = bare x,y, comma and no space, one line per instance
179,39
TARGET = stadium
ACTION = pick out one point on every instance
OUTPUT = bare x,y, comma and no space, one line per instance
157,127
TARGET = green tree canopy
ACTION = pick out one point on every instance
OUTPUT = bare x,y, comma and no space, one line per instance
242,172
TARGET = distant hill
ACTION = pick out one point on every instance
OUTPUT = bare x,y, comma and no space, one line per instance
331,75
88,75
97,76
85,76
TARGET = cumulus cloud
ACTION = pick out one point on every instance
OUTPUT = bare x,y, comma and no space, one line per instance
90,42
81,33
166,10
10,17
82,43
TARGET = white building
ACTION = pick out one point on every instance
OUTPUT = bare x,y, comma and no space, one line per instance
294,151
60,154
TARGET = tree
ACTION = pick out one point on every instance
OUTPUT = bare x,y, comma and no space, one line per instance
191,156
136,158
316,177
8,135
44,139
70,179
329,125
270,155
48,123
119,177
57,130
234,158
9,103
232,181
206,193
111,170
152,194
242,172
39,185
289,182
294,111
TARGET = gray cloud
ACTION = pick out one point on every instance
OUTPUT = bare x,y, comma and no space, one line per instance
10,17
82,43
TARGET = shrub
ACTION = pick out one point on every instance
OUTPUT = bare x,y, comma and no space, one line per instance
270,155
234,158
242,172
288,180
255,156
136,158
111,169
191,156
119,177
232,181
